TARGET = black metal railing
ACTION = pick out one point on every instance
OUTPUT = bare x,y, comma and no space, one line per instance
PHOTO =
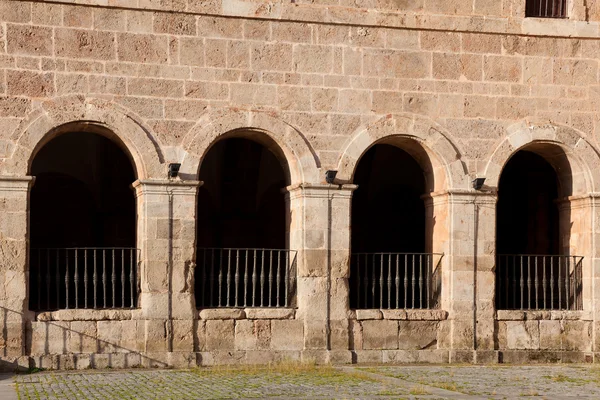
227,277
546,8
85,278
538,282
395,280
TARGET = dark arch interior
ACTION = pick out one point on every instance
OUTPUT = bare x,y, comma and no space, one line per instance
240,206
527,236
82,198
388,216
527,213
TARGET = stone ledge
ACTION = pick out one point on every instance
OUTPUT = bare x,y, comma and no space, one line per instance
222,313
527,315
403,315
85,315
247,313
270,313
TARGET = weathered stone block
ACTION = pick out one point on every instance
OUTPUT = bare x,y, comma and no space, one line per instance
220,335
523,335
83,337
417,335
380,335
287,335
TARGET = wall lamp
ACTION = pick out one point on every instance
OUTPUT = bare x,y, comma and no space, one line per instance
478,183
330,176
174,170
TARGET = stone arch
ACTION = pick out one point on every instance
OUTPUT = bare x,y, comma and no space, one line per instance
425,140
283,139
84,114
577,154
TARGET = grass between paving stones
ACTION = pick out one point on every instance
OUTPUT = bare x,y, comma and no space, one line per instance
289,379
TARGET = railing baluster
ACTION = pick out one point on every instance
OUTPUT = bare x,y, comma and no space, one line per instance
220,276
132,264
552,282
568,282
420,281
354,257
254,280
428,282
374,281
287,278
560,284
67,279
366,284
389,281
544,282
237,276
76,279
262,277
413,281
85,279
522,283
228,276
381,289
113,279
406,281
278,286
270,295
397,281
122,277
246,279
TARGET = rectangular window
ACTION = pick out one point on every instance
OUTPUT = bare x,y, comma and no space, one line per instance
547,8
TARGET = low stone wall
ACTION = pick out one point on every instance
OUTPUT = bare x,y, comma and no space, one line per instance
248,336
544,336
398,336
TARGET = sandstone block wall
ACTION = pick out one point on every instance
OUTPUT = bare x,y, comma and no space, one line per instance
468,82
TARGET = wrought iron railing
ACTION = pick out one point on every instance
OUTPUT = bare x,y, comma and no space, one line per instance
546,8
395,280
538,282
227,277
87,278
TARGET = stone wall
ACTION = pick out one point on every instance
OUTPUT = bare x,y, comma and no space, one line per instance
468,82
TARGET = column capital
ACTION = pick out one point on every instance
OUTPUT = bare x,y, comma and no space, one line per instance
462,196
16,183
151,186
319,190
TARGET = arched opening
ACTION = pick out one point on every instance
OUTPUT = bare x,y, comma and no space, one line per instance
390,267
242,237
82,225
534,267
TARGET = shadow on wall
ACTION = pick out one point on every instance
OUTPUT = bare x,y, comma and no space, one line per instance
120,357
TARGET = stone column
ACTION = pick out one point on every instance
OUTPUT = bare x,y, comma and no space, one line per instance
320,231
14,274
468,280
166,237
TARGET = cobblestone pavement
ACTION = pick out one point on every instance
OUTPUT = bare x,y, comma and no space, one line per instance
293,381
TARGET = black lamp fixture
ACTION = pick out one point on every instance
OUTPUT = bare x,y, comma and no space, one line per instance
478,183
174,170
330,176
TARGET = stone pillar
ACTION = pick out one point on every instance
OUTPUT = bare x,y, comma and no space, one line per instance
469,280
320,231
166,237
14,290
579,218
